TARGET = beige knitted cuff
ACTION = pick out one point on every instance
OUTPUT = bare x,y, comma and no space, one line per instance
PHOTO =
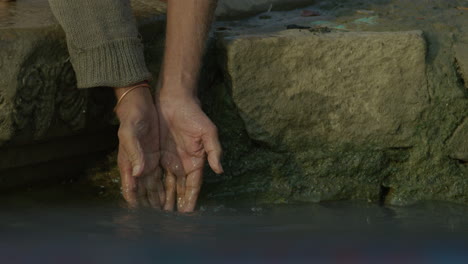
116,63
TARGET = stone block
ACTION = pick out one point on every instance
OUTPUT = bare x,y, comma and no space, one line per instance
296,88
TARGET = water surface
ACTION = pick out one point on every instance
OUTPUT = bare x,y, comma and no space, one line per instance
69,224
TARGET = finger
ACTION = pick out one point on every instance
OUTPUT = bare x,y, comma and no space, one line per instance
141,192
134,152
160,187
213,150
180,191
170,187
171,162
174,168
151,182
193,186
128,182
129,192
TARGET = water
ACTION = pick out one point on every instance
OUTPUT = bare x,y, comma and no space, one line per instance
72,225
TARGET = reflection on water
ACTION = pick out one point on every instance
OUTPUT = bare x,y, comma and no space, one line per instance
63,224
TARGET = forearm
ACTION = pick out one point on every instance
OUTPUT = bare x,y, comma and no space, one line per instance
102,41
188,24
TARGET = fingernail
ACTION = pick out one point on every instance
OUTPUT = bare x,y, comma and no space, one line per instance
221,167
136,170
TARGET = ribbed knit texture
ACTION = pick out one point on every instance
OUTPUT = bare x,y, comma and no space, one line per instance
102,41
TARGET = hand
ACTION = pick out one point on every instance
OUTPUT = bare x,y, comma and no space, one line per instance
187,137
138,156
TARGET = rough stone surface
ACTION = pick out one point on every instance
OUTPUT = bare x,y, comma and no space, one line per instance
423,160
457,143
461,57
298,87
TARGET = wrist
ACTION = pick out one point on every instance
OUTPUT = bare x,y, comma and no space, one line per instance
180,84
177,92
119,91
135,98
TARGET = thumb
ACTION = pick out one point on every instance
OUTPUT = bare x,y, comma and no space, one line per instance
213,149
128,182
132,147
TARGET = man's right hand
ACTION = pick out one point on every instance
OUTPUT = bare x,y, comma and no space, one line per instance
139,154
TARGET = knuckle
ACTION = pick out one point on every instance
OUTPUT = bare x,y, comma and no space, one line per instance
196,151
123,133
134,156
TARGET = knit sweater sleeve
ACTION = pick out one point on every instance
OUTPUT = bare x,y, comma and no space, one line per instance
103,42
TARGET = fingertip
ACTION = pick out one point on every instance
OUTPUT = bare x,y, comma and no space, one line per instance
129,194
214,151
215,165
221,169
218,169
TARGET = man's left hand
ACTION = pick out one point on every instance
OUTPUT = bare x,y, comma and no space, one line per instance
187,138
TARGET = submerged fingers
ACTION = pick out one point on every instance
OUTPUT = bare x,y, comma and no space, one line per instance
128,186
145,191
141,192
160,186
170,188
152,190
192,190
180,192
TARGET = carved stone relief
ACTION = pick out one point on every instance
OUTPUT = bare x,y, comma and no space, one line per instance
47,93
